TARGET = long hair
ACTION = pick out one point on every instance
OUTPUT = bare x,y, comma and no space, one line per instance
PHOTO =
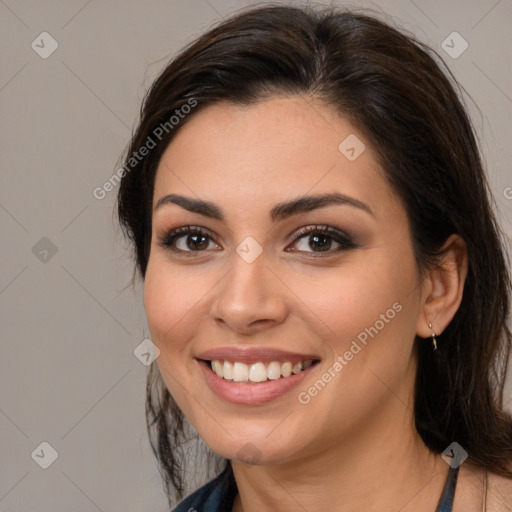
403,99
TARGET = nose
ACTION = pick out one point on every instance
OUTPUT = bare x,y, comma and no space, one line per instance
250,298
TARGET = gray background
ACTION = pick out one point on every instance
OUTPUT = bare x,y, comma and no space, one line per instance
70,324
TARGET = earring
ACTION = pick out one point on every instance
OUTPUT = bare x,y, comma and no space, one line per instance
434,340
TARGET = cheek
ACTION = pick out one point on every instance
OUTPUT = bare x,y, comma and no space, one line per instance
351,301
372,315
160,313
372,312
168,302
168,299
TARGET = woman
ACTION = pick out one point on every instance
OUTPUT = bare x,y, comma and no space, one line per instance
323,273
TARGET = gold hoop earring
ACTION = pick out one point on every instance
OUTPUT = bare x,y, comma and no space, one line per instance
434,339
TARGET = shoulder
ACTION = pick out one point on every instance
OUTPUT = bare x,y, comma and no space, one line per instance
216,496
499,493
471,486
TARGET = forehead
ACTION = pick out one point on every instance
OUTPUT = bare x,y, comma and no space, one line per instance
269,151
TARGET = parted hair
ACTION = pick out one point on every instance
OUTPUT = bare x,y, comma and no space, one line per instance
401,96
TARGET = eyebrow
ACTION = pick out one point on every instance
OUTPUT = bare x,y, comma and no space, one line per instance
280,211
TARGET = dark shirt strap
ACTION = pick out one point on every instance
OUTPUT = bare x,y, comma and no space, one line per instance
446,500
219,494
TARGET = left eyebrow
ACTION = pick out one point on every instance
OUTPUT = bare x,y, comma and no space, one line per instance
279,212
308,203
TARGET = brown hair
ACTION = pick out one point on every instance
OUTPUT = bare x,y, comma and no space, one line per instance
403,99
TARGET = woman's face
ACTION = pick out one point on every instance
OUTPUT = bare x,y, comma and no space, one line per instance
245,291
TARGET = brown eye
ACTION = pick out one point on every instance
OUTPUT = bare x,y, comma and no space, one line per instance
194,242
322,242
187,239
320,239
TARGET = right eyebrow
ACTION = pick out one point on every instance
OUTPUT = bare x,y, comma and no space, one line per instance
279,212
192,205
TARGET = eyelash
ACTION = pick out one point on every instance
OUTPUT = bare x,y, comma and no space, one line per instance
338,236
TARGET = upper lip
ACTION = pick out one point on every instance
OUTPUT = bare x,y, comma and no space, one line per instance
250,355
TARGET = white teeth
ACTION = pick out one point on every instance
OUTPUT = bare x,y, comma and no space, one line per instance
227,372
297,368
274,370
218,368
240,372
286,369
257,372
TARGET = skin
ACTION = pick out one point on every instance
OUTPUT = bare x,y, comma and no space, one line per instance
353,446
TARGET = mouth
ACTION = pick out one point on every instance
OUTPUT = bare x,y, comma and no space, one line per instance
254,376
237,371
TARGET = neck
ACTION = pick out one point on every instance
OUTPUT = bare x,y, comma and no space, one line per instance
384,466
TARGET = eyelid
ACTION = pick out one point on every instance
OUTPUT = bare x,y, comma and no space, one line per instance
339,236
320,228
170,236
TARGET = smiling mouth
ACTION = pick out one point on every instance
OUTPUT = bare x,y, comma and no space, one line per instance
235,371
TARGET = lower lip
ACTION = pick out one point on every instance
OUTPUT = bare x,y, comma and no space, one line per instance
251,393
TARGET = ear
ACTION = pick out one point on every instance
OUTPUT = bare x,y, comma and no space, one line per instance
442,288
